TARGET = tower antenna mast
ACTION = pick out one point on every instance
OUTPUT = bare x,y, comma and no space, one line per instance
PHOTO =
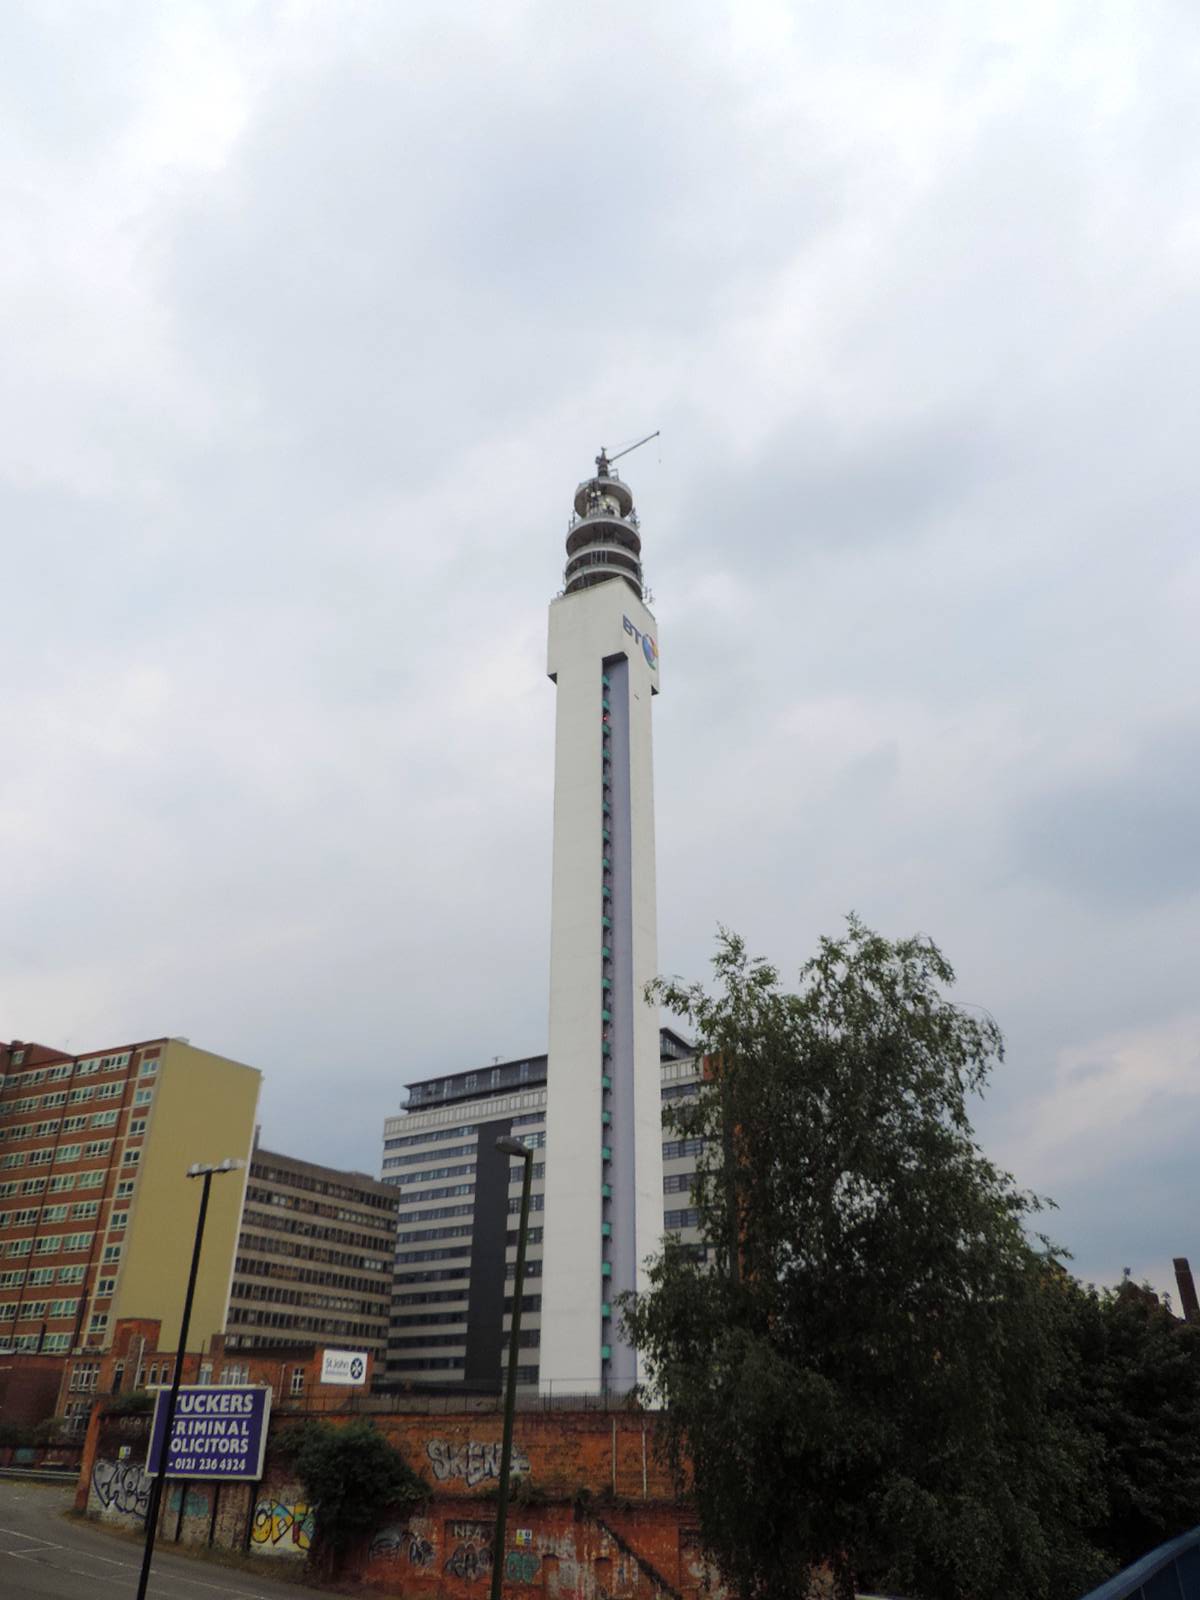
630,448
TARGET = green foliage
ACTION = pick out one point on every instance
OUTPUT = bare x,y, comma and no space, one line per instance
353,1478
871,1376
52,1431
1138,1391
524,1492
132,1404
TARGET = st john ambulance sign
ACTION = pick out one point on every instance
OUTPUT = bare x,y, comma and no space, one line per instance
344,1366
216,1432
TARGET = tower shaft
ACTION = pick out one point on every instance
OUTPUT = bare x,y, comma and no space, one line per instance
603,1125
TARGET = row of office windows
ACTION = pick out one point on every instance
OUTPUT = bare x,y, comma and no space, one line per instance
419,1319
300,1227
278,1294
435,1275
434,1174
460,1251
81,1211
323,1325
445,1192
40,1277
528,1339
65,1153
287,1179
431,1155
268,1244
67,1069
417,1235
676,1149
430,1297
434,1135
62,1182
343,1212
43,1344
298,1274
35,1310
433,1214
529,1303
50,1244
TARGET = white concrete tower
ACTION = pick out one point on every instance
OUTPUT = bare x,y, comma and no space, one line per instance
603,1207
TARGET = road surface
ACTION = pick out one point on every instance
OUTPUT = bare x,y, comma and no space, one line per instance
45,1557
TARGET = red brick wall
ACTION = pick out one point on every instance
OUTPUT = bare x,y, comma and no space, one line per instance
595,1516
560,1551
28,1388
562,1452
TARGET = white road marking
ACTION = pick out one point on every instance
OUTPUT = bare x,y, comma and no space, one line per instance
157,1577
128,1566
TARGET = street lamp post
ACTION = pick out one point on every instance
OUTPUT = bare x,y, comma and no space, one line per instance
511,1147
198,1170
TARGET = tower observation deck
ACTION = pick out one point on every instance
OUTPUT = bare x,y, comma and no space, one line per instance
604,539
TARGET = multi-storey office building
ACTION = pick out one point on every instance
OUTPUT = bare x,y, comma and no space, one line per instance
97,1213
459,1203
314,1258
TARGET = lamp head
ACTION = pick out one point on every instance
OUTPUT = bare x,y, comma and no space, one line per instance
199,1168
513,1147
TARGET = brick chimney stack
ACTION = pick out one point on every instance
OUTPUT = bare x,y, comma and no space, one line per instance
1187,1290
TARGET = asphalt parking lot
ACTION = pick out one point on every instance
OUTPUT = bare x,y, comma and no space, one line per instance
45,1557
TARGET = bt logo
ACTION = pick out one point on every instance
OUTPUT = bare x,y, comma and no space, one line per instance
649,648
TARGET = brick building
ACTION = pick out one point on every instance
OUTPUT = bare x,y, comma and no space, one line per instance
97,1218
134,1361
96,1210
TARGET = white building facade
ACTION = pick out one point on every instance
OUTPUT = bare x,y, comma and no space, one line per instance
459,1203
604,1173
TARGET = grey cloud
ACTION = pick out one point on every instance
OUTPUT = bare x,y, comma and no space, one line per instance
296,425
1127,837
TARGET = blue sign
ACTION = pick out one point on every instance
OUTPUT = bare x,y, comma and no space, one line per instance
217,1432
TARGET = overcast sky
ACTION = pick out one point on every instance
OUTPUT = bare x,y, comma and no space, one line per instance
314,314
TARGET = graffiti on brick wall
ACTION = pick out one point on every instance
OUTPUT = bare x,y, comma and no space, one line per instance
283,1528
121,1487
195,1501
472,1460
470,1546
520,1566
396,1543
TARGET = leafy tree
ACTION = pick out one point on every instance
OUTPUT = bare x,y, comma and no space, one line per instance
869,1377
1138,1390
353,1478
